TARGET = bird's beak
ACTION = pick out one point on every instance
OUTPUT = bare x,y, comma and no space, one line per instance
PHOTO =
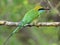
46,8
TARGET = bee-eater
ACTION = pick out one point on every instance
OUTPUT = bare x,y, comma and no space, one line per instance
28,18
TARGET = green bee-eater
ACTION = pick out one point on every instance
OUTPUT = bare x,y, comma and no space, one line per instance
28,18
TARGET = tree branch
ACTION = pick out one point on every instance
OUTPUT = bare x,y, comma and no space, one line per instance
54,7
7,23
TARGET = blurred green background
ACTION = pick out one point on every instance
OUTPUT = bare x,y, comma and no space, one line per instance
14,10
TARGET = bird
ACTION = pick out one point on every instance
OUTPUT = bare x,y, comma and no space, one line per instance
28,18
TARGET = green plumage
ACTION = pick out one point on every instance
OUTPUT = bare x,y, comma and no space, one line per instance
28,18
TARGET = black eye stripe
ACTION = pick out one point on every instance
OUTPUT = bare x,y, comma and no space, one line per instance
41,9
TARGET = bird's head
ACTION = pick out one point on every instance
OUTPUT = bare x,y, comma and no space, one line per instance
40,8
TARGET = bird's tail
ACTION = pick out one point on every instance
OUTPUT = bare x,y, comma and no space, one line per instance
16,30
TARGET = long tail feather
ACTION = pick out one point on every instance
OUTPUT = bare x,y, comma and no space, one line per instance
11,35
7,39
